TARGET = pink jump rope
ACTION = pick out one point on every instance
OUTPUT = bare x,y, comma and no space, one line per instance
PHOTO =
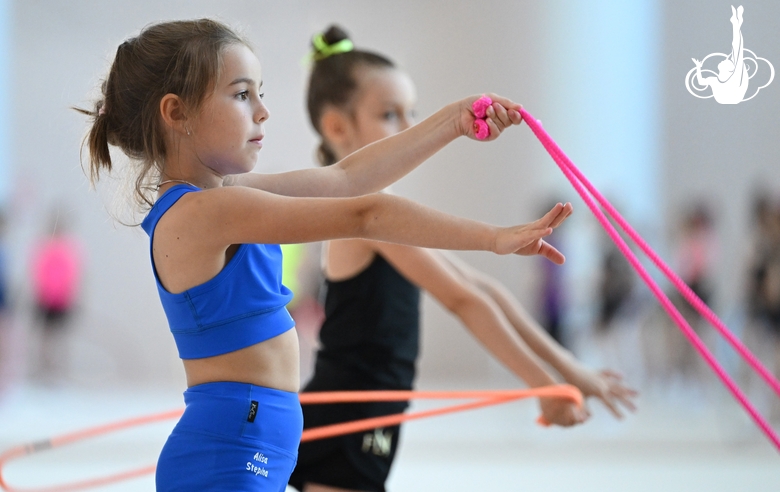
580,183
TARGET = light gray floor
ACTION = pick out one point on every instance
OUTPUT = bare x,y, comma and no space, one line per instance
680,440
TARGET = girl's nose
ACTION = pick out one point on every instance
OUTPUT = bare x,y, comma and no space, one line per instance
261,113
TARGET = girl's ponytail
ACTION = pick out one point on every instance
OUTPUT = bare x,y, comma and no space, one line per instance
97,142
325,156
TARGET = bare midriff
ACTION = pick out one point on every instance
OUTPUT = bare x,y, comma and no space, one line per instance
272,363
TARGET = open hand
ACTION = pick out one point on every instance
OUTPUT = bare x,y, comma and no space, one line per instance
605,385
526,240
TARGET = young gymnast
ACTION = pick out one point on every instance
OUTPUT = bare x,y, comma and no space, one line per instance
369,339
182,100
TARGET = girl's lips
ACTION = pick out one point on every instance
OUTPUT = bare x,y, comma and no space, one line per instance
257,141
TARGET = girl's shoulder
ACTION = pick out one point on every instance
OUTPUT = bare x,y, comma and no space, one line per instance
219,216
191,198
184,206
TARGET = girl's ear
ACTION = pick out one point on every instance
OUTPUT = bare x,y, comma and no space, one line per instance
173,113
336,127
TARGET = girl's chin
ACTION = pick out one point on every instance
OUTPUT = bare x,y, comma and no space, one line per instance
238,170
247,166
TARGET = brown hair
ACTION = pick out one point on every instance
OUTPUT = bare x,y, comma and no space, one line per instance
179,57
332,82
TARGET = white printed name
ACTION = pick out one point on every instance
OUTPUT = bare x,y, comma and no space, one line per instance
261,458
258,470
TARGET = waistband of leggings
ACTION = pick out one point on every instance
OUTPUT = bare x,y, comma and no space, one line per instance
242,410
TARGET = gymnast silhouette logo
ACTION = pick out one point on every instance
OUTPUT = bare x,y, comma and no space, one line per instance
735,70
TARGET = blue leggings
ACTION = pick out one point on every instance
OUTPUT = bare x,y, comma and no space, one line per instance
233,437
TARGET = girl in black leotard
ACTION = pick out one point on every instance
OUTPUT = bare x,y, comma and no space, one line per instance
370,334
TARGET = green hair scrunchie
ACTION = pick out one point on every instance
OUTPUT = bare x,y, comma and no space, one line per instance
323,50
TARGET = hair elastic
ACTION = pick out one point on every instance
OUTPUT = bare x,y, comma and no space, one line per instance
323,50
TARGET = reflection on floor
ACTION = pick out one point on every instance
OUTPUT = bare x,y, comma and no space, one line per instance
680,440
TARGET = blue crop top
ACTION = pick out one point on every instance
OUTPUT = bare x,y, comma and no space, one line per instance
242,305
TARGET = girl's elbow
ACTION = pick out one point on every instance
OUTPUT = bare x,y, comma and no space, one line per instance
364,220
461,302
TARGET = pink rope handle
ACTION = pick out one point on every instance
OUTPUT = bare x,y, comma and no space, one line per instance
575,177
481,128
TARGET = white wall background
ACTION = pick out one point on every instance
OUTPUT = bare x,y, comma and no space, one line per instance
61,49
719,152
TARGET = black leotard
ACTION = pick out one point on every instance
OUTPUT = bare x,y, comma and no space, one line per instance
369,341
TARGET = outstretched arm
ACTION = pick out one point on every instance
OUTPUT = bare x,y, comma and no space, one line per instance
220,217
378,165
605,385
483,318
196,234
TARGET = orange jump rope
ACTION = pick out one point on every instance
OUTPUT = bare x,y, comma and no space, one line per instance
481,398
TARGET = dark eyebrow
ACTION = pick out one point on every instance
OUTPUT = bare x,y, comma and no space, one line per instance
245,80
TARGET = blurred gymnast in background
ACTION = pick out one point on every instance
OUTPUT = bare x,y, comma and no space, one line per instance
56,277
369,339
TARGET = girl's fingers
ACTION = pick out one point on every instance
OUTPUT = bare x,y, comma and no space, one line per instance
617,390
545,225
609,373
506,103
612,408
556,215
564,415
563,215
520,239
551,253
623,400
579,415
495,118
628,391
499,115
515,116
531,242
494,130
623,394
626,402
548,218
616,385
542,248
